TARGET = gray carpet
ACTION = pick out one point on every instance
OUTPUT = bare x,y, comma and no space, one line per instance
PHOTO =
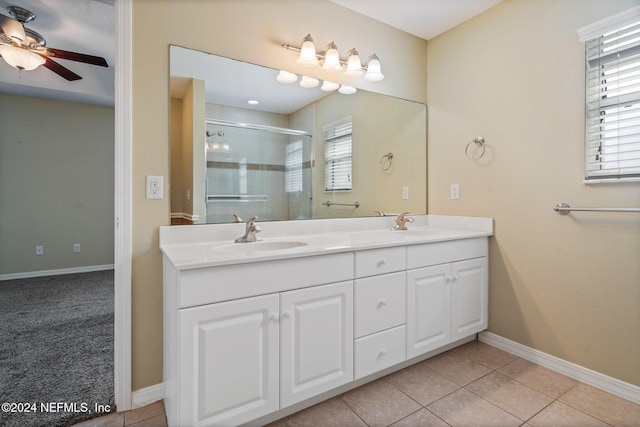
56,345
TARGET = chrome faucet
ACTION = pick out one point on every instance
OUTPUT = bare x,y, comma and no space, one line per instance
401,221
250,232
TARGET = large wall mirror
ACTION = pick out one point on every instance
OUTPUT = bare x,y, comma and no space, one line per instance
244,143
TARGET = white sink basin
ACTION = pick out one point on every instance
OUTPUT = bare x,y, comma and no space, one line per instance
259,246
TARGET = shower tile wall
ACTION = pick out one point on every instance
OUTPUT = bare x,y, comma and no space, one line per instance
251,164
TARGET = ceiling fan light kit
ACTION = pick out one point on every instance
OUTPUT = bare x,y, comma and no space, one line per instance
24,49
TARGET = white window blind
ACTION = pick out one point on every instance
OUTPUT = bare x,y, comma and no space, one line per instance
337,155
293,167
613,104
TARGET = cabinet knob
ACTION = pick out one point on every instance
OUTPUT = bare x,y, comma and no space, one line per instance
274,317
382,353
382,263
286,315
382,303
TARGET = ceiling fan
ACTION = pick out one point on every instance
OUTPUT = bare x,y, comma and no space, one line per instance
25,49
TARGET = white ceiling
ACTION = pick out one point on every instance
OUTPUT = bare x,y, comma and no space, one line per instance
88,26
422,18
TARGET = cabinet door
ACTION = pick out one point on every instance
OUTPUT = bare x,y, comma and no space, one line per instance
428,309
229,362
316,333
469,297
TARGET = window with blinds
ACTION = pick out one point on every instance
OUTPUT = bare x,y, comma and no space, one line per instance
613,104
293,167
337,155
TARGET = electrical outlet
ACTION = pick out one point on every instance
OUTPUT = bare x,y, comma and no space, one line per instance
455,191
154,187
39,250
76,248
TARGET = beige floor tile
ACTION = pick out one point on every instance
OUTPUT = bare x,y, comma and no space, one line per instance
111,420
513,397
422,384
485,354
330,413
463,408
146,412
457,368
158,421
422,418
560,415
379,403
602,405
535,376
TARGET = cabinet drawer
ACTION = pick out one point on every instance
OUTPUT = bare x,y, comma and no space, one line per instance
379,351
379,303
380,261
428,254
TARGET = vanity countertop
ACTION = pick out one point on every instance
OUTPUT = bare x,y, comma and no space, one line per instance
190,247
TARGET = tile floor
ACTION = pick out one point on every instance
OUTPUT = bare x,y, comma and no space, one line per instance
472,385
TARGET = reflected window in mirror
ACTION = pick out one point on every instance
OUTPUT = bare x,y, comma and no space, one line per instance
337,158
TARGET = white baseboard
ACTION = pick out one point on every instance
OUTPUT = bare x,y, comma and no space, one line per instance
56,272
148,395
571,370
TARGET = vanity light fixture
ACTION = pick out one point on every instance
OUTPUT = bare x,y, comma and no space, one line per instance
309,82
354,66
347,90
20,58
373,73
331,60
328,86
286,77
308,56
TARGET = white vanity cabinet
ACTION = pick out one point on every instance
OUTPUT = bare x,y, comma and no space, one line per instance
237,360
256,336
447,293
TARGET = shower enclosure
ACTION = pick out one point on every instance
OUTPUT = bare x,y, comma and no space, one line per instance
255,170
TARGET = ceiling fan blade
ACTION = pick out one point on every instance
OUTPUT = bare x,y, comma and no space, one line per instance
78,57
60,70
12,29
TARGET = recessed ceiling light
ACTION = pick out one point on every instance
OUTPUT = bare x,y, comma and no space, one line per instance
253,102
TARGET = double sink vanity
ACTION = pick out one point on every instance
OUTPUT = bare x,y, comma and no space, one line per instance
258,330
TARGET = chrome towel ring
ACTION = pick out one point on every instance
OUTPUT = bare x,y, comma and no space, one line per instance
385,161
479,146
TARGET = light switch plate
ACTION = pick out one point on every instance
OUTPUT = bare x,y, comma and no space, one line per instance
455,191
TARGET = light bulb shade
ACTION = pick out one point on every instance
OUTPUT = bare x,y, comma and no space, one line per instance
332,58
347,90
308,52
354,66
309,82
329,86
286,77
373,73
22,59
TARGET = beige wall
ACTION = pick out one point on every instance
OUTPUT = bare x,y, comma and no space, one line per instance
56,175
381,124
250,30
565,285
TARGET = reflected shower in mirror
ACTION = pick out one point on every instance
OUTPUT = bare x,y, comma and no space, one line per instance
279,157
